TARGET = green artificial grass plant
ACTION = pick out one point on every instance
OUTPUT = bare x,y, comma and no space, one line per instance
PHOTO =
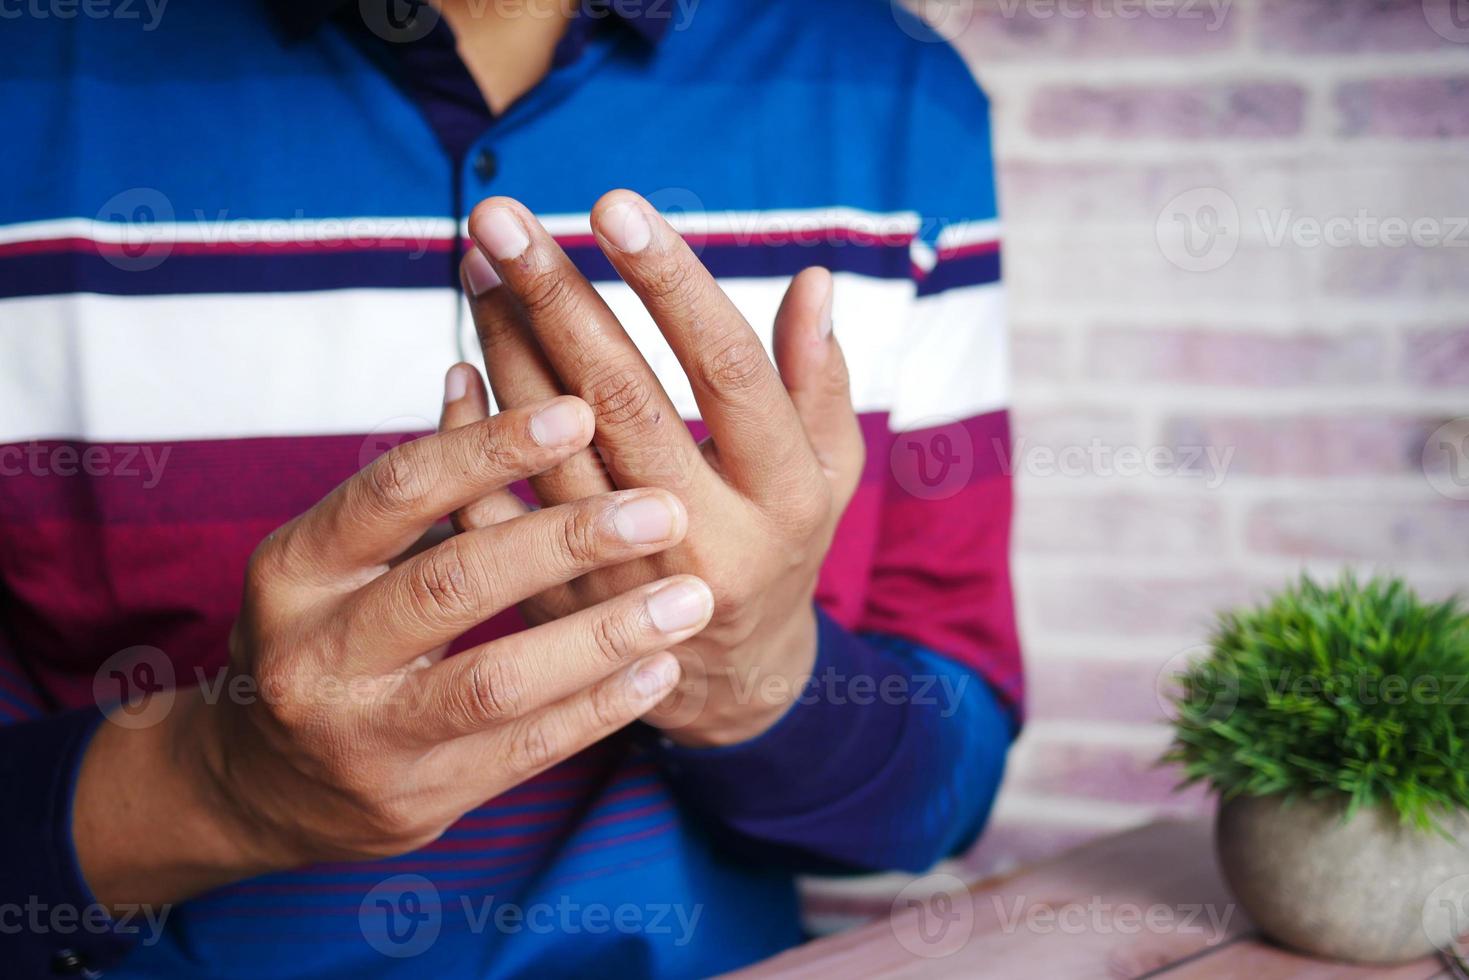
1353,690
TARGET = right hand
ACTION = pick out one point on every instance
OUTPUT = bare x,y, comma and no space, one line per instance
366,742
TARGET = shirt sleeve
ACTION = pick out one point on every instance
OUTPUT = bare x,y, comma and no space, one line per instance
889,759
892,756
50,923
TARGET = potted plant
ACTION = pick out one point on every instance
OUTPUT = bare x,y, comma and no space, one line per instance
1333,721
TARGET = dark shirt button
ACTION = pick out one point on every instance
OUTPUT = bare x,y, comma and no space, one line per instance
67,963
485,165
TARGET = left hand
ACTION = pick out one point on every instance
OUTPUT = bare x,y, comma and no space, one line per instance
764,492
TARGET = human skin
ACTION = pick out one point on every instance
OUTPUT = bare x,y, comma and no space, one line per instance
366,741
764,491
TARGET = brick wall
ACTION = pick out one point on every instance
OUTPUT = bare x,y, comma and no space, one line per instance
1211,244
1231,350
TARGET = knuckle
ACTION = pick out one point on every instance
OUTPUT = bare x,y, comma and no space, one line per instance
263,566
615,637
396,817
545,292
608,706
493,692
808,510
443,582
534,747
837,381
581,535
288,697
496,448
620,397
394,483
735,366
670,281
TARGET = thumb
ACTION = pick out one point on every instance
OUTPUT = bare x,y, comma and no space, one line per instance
815,374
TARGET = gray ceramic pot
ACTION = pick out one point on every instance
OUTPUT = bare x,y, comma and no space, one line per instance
1367,889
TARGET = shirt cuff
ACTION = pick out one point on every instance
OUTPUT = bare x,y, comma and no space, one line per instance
845,724
50,922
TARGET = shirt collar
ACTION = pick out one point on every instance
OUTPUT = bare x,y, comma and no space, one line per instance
300,17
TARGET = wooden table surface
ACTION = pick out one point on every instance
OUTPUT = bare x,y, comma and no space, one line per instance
1144,904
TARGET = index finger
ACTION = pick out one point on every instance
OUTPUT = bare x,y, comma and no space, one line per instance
744,403
644,441
377,513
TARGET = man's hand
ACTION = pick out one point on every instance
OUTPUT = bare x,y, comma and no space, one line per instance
364,741
764,492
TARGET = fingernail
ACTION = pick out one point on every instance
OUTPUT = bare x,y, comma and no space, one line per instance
627,227
655,675
479,276
680,606
456,383
825,326
501,233
644,520
557,425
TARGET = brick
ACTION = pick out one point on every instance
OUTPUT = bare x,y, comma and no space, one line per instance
1068,193
1039,353
1125,774
1348,26
1120,523
1436,356
1436,531
1081,272
1308,445
1087,689
1248,110
1128,606
1234,356
1405,186
1075,426
987,31
1406,108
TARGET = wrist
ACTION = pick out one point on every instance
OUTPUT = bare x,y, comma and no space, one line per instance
244,840
758,684
147,824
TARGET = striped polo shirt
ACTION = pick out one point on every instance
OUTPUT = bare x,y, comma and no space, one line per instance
229,237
